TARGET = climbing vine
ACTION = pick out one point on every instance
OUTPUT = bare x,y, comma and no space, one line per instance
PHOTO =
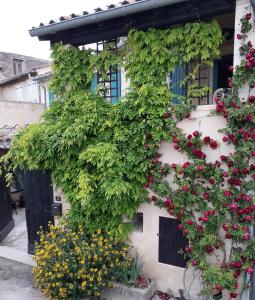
105,157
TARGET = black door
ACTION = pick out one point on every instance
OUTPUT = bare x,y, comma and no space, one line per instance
171,240
38,195
6,219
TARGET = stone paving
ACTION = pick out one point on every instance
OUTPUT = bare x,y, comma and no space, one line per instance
17,238
16,282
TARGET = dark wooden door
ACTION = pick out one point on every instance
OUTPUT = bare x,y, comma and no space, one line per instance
171,240
38,195
6,219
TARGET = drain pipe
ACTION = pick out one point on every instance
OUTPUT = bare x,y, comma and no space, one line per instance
252,288
104,15
253,6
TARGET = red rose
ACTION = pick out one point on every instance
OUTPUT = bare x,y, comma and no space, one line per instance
212,180
213,144
189,222
173,166
248,16
186,188
196,133
185,232
200,168
239,36
180,226
168,202
248,218
227,193
185,165
154,198
166,115
225,139
231,68
251,99
146,185
218,287
206,195
176,147
225,227
207,140
233,206
252,167
189,137
233,295
235,226
249,270
228,236
223,157
249,118
235,171
238,264
194,262
245,171
187,249
253,153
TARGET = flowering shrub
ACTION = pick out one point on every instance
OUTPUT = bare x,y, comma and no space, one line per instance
215,201
70,265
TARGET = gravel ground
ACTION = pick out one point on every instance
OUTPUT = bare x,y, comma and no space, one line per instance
16,282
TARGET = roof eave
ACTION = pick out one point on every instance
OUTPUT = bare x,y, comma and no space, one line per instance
100,16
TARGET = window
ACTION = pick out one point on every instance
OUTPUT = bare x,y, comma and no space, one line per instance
171,241
202,80
138,222
112,83
19,93
17,66
32,92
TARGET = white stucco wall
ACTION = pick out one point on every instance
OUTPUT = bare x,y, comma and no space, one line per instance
146,242
20,113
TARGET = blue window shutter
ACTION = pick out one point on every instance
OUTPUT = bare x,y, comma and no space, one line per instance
94,84
178,75
50,97
215,74
116,87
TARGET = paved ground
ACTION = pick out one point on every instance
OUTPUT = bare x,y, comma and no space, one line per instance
16,282
17,238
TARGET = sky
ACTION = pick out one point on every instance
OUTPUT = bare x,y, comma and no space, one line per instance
18,16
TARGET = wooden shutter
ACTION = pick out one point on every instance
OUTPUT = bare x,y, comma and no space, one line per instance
171,240
177,76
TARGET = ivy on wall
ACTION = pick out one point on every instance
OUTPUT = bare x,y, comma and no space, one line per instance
104,157
99,154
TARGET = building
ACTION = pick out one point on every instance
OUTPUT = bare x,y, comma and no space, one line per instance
24,96
157,230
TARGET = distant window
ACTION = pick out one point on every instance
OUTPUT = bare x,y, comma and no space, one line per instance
17,66
138,222
19,93
32,92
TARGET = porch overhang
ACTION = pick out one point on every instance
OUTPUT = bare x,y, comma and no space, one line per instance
141,15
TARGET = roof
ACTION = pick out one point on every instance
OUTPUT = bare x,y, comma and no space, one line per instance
18,77
118,19
28,64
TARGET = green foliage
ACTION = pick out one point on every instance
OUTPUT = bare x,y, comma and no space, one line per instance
128,273
99,154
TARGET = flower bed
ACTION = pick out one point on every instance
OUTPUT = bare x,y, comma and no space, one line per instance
123,292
